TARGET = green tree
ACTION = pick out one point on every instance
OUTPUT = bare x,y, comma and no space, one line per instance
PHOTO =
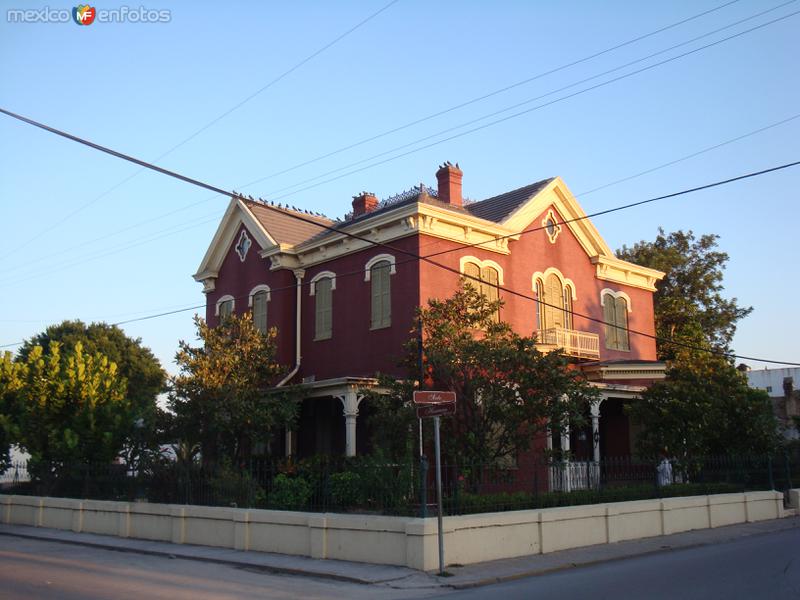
689,305
222,398
135,362
507,390
10,384
73,409
705,410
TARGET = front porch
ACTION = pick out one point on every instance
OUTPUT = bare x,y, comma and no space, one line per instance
329,421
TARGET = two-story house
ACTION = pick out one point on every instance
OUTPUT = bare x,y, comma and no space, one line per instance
344,307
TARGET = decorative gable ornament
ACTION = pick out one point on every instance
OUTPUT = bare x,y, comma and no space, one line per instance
243,245
551,226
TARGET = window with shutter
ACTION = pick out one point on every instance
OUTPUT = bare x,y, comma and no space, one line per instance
225,309
489,283
381,295
260,311
324,309
615,315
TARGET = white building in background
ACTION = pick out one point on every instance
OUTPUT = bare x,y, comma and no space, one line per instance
782,387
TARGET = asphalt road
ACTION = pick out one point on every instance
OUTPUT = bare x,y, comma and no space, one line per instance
37,569
761,566
755,567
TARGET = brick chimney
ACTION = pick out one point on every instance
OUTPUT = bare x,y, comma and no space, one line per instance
364,203
449,177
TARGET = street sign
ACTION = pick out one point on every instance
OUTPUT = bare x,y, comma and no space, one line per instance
434,397
442,409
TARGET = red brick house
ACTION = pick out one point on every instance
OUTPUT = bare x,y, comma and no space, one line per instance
343,307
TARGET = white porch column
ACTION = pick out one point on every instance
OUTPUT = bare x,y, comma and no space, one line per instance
565,437
350,401
595,414
287,446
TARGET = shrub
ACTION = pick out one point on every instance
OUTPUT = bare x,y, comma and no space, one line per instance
289,493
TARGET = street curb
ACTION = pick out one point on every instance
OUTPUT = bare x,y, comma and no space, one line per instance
223,561
590,563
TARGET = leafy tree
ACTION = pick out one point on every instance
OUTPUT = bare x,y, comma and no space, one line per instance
136,363
507,390
10,384
73,409
146,378
222,399
704,410
689,306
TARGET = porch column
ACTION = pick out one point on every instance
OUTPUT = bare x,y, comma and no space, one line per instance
350,401
565,437
287,446
595,414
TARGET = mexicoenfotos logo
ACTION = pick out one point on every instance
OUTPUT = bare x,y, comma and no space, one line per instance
83,14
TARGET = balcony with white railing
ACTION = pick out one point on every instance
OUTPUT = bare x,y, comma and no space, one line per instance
574,343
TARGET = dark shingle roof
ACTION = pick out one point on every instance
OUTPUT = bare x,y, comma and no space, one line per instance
288,230
283,227
498,208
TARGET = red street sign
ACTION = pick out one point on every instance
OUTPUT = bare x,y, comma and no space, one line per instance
441,409
432,397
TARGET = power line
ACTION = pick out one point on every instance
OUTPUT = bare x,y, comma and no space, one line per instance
197,132
508,117
180,227
492,93
464,104
413,255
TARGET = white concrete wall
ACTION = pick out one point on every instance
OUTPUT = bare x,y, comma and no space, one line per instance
395,540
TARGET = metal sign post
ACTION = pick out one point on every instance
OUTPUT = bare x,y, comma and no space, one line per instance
436,420
436,405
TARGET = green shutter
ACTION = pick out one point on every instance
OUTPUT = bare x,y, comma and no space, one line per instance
609,316
324,309
380,274
260,311
622,324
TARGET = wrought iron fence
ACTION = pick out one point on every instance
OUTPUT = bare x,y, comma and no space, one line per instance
370,485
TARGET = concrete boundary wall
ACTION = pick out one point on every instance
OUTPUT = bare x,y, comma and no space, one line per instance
394,540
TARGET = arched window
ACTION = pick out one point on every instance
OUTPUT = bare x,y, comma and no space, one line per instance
259,297
486,276
555,295
225,307
323,307
616,306
380,278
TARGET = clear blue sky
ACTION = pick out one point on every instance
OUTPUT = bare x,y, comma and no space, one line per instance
142,88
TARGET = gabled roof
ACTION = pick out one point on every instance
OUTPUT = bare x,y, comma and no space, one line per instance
283,227
498,208
271,226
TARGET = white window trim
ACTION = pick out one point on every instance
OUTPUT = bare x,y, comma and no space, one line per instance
557,228
374,261
565,281
222,299
615,295
480,264
242,237
317,277
259,288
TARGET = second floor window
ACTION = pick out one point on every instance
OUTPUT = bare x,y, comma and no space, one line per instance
224,307
486,280
380,278
260,311
323,308
554,303
615,315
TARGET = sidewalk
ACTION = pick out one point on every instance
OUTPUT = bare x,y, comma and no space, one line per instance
404,578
